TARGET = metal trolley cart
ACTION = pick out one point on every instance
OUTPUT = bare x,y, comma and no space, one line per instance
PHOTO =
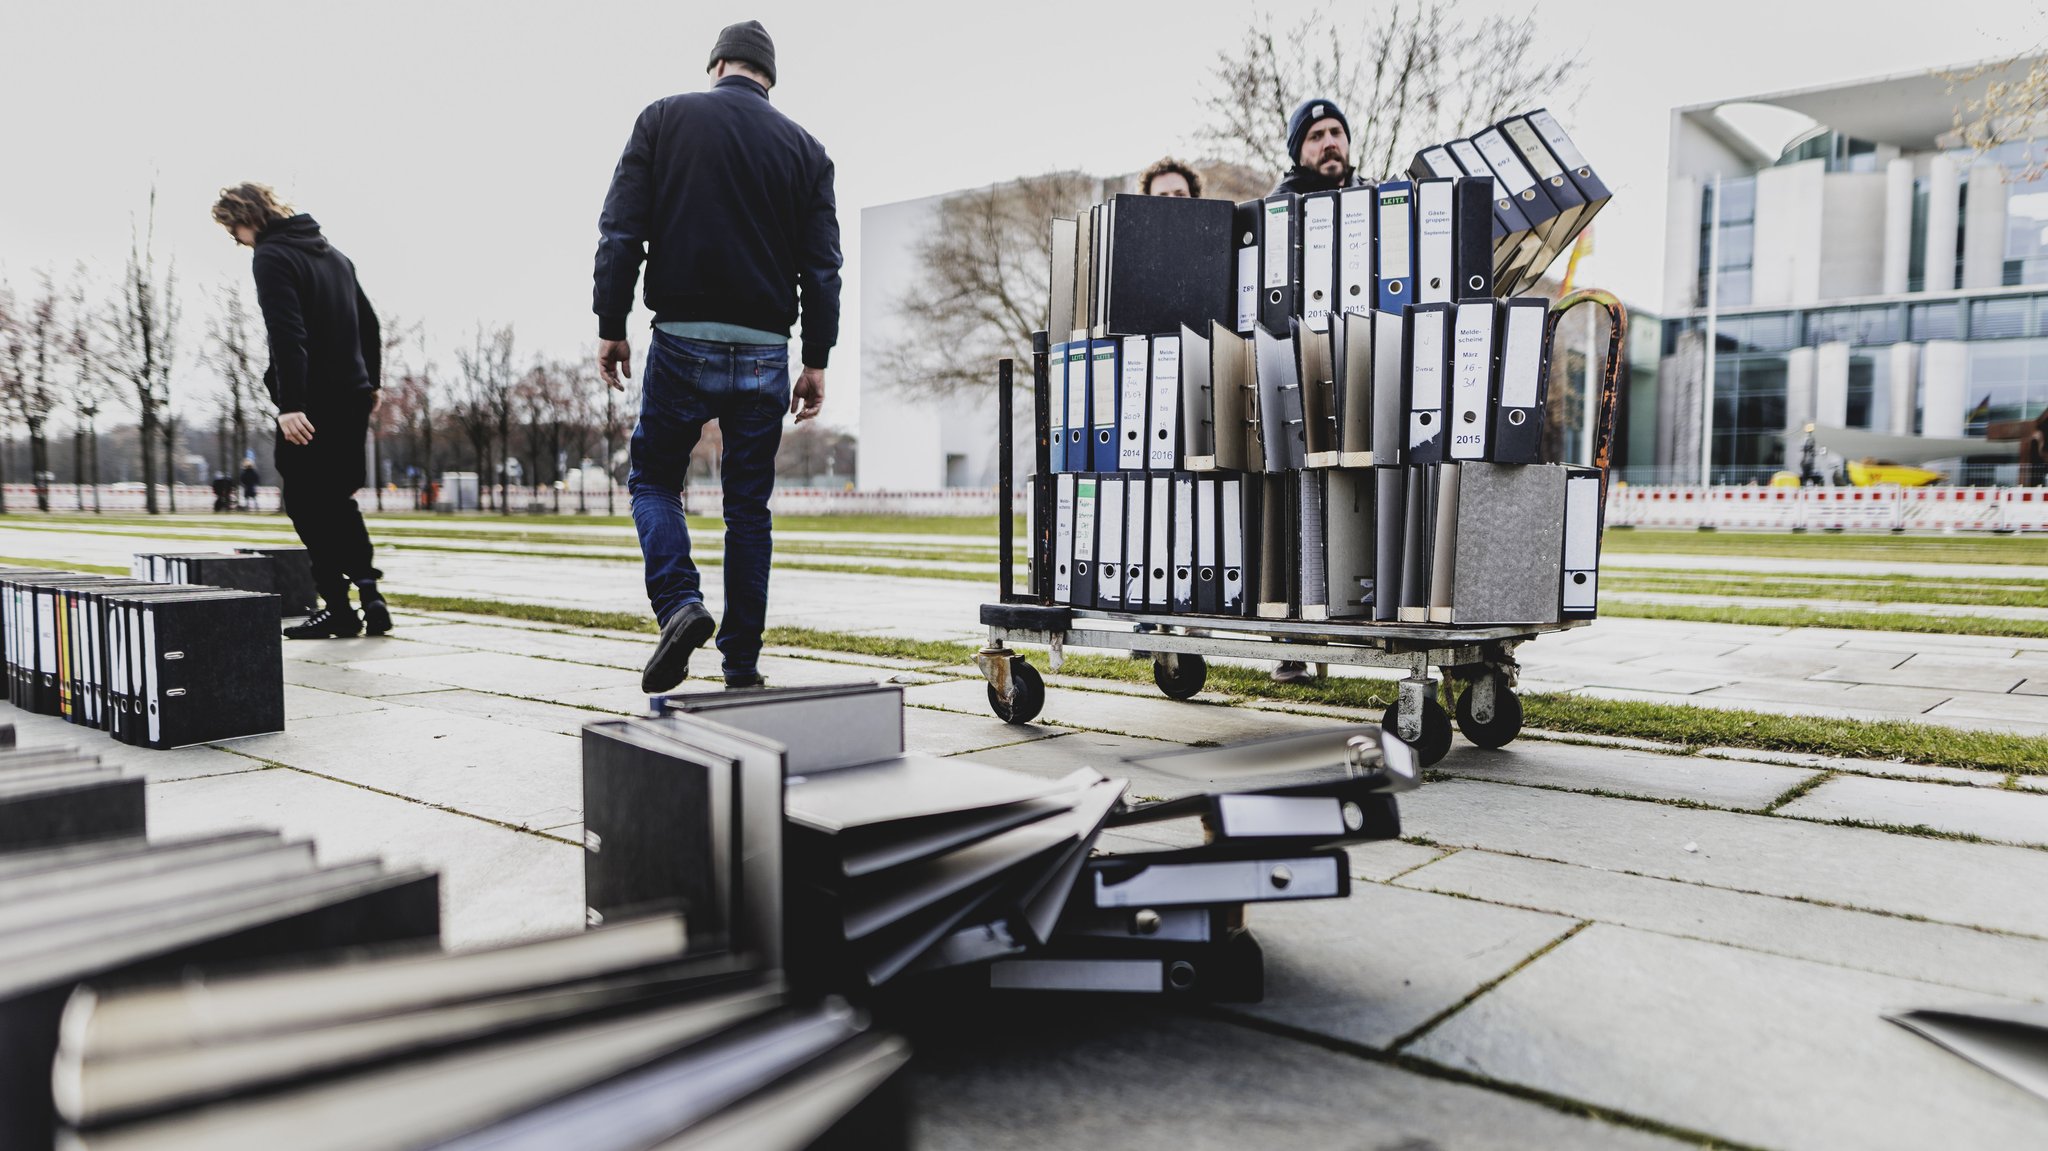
1488,711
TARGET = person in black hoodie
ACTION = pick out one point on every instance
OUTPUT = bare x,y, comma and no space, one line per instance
324,361
1319,146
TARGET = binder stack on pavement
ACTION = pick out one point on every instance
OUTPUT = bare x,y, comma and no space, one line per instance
900,867
291,577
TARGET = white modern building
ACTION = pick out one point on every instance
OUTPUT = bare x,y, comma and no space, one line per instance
1837,256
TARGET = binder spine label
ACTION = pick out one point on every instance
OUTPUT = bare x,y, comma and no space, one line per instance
1160,450
1433,250
1354,253
1426,383
1247,287
1318,260
1553,135
1507,168
1279,265
1063,539
1131,422
1522,358
1472,373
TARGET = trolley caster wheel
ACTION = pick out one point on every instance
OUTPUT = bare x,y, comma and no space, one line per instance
1028,694
1436,730
1189,674
1505,725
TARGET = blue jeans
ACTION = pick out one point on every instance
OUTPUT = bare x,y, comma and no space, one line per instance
684,384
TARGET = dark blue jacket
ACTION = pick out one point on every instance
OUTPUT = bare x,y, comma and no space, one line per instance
730,203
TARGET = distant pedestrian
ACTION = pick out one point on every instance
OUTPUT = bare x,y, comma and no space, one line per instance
730,203
223,493
249,481
323,377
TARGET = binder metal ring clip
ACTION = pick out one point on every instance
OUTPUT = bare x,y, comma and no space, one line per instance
1517,416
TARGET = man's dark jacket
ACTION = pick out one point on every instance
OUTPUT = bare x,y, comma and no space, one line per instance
1301,181
324,339
730,203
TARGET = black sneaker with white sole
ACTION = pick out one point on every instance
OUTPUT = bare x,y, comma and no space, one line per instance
682,635
328,623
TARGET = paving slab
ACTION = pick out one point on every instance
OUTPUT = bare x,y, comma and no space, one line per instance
935,732
1943,675
2015,706
605,650
1994,813
1381,861
2037,687
365,649
312,703
1188,721
498,771
1883,767
1717,783
1374,967
1839,695
1061,754
49,731
501,674
1075,1073
1973,884
1960,957
551,717
497,885
353,681
1767,706
1769,1051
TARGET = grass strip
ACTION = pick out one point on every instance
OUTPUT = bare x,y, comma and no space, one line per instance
2023,550
1959,594
1686,726
1849,619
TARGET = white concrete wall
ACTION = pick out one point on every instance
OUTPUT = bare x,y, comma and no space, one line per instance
1984,230
1789,204
901,446
1905,387
1945,364
1853,227
1682,246
1898,226
1943,193
1831,385
1800,372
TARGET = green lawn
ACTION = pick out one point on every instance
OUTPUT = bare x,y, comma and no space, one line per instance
2021,550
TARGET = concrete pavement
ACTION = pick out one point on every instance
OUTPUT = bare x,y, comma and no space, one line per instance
1599,944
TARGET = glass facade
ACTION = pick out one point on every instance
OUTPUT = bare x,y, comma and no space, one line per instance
2006,377
1737,213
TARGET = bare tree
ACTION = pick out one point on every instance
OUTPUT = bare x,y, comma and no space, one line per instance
233,345
548,408
13,368
88,393
983,291
485,408
615,426
35,395
2012,108
1408,75
142,347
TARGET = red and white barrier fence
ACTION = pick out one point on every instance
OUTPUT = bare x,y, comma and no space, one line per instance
1881,508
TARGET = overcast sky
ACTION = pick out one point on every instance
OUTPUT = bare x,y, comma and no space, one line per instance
459,152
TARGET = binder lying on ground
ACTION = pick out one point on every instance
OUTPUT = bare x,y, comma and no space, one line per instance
609,1040
125,909
291,575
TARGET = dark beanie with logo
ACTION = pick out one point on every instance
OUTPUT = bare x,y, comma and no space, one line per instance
1305,117
749,44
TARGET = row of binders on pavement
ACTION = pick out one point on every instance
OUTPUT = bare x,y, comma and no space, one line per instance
286,573
231,992
1476,217
889,869
155,665
1473,543
1464,381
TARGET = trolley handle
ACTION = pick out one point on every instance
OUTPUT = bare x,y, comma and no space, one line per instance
1610,376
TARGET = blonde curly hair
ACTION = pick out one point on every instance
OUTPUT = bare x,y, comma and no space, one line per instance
249,205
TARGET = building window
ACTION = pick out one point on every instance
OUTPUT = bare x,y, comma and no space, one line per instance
1870,392
1916,259
2026,234
1875,324
1936,322
2000,319
1736,213
2007,380
1749,417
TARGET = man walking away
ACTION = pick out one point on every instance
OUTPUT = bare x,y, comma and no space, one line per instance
324,348
730,204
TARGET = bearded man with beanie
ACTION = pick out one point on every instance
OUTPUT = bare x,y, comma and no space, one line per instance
325,358
1319,144
730,204
1319,147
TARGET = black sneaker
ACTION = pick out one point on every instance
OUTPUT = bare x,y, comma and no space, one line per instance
329,623
376,617
742,682
683,634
